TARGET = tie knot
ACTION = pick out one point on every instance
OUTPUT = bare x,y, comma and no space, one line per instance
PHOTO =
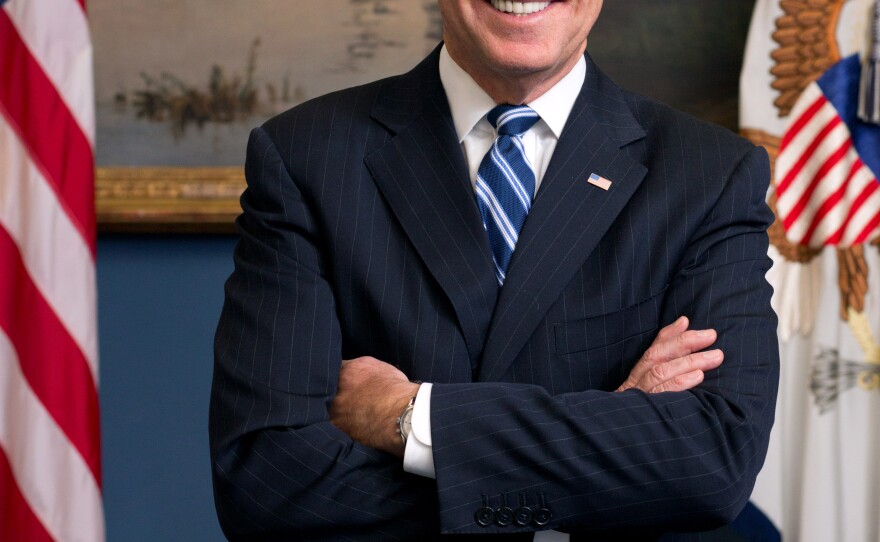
512,120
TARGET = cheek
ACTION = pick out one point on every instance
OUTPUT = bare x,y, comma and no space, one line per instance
457,30
591,13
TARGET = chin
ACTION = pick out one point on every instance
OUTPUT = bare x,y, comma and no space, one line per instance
524,59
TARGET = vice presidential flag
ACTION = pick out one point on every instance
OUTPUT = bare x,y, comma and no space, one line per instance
50,464
799,96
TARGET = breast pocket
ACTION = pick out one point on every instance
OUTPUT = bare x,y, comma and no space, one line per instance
601,350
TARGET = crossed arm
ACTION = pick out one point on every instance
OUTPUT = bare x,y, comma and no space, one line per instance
372,393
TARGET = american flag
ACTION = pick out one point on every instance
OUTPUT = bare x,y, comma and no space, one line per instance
50,462
826,173
597,180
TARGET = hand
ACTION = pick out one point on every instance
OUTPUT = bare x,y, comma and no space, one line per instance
371,396
673,361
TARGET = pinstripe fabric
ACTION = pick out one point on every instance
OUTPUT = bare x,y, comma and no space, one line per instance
360,236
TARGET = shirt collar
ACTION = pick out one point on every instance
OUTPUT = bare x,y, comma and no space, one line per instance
469,103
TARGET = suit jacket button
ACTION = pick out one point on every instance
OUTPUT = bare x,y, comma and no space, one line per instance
523,516
542,516
504,516
485,516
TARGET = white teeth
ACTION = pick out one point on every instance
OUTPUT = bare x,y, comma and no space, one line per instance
519,8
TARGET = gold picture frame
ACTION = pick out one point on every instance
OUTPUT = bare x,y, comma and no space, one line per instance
168,199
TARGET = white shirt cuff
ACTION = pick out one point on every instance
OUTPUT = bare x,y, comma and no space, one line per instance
418,457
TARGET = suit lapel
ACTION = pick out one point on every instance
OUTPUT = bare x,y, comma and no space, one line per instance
568,217
423,177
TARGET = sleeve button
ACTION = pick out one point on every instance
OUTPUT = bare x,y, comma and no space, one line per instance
504,516
523,516
542,516
485,516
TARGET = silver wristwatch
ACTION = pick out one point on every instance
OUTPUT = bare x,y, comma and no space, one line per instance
404,422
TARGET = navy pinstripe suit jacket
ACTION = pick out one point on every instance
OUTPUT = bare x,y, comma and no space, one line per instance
361,236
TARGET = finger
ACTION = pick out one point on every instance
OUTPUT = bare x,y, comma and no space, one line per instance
674,328
660,377
665,372
659,351
682,382
686,342
363,360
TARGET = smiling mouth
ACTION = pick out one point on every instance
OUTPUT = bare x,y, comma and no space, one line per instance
519,8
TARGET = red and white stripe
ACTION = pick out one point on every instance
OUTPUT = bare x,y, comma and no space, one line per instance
50,463
825,194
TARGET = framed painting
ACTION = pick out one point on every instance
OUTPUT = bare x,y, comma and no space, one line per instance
180,83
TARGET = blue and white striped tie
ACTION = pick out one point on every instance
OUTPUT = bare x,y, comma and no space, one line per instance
506,182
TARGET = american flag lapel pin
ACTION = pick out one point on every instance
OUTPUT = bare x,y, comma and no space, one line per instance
597,180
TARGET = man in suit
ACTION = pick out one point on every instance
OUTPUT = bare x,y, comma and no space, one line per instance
564,386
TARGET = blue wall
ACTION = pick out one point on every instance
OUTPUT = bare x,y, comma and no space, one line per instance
159,300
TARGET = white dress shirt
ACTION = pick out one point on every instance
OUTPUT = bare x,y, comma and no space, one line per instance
469,104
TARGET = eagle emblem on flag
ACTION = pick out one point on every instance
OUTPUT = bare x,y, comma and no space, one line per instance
809,96
826,157
826,174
